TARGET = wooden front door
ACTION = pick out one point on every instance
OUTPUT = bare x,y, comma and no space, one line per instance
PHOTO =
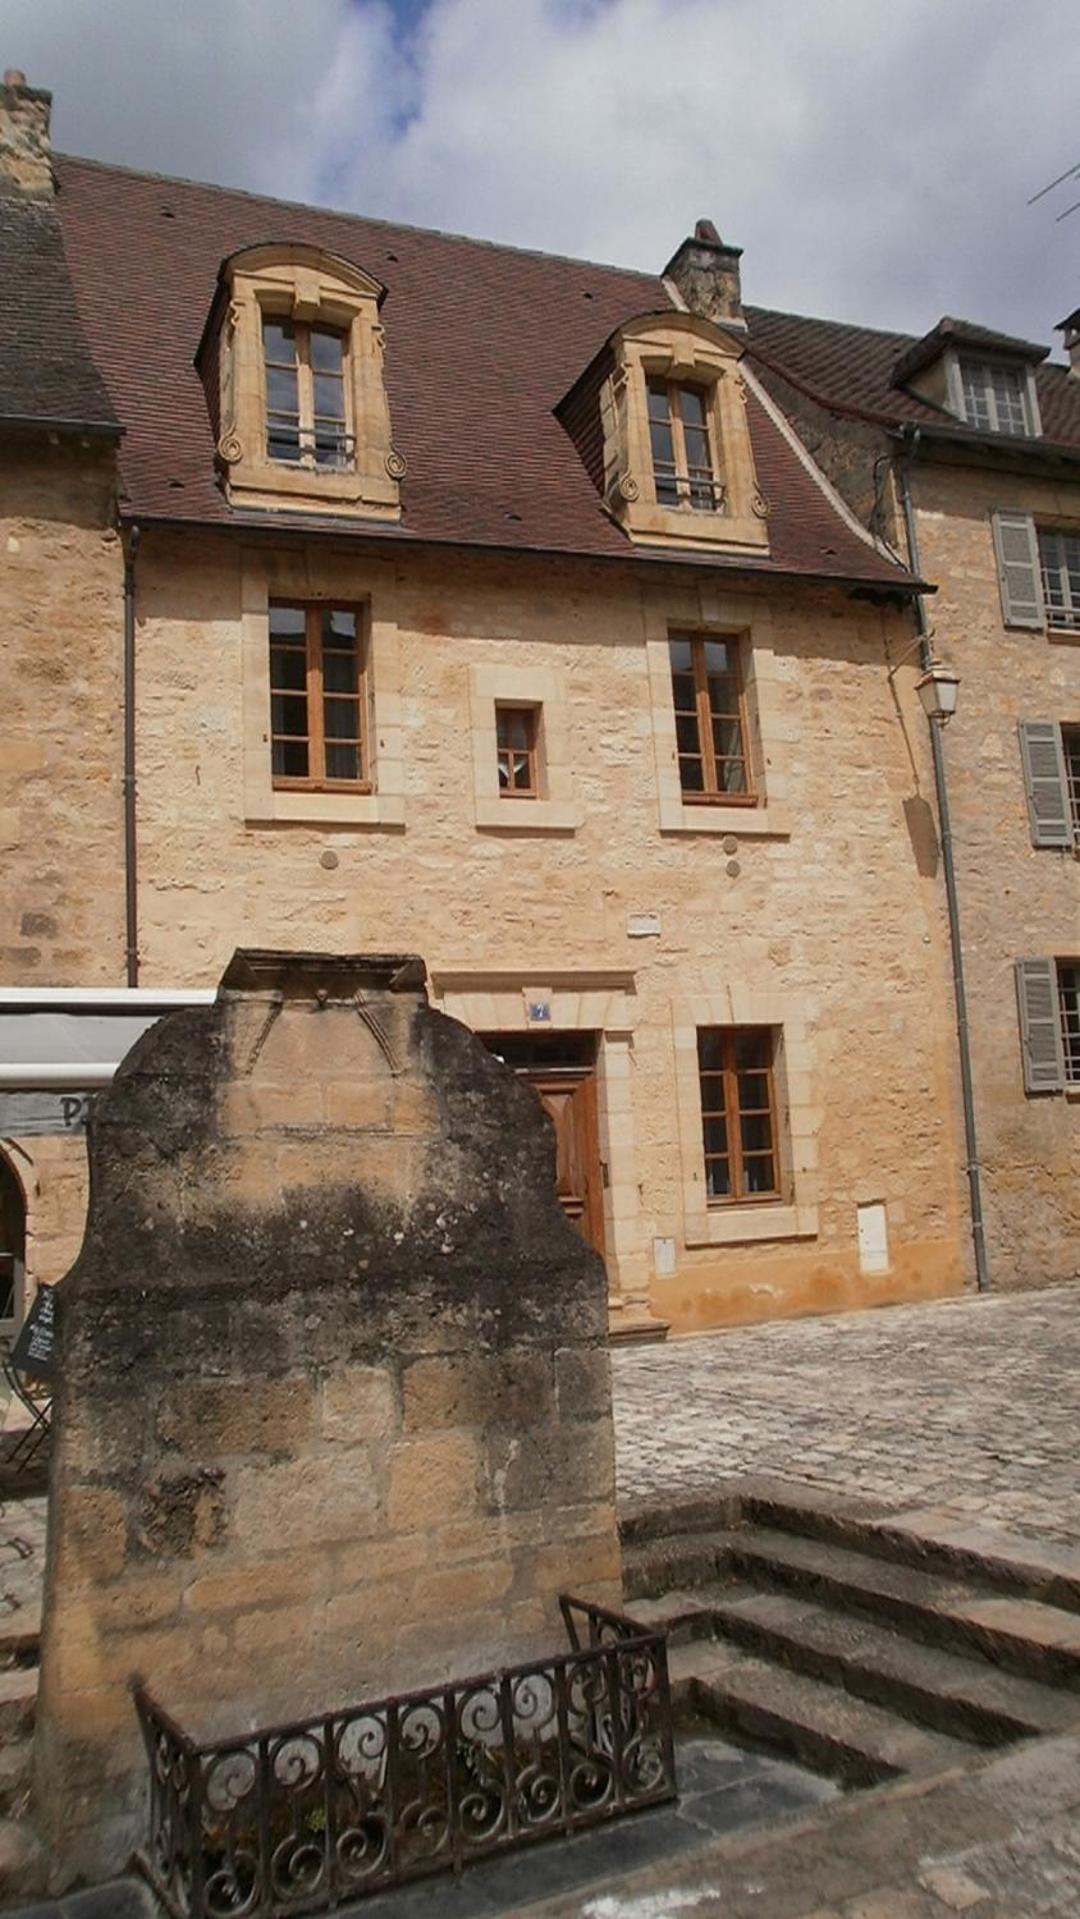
562,1072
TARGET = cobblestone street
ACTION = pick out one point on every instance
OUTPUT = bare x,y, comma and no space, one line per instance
971,1406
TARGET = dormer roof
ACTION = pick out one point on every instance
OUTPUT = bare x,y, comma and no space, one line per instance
964,334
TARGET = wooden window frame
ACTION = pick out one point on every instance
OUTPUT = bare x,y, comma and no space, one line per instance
733,1115
1069,1014
982,374
1064,618
314,693
714,794
1070,753
532,750
307,456
680,477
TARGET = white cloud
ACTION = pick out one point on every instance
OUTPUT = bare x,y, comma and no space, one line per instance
873,157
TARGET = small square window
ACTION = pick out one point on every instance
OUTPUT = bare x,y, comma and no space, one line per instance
517,730
736,1075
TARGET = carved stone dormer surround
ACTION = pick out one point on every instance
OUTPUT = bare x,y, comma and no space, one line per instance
301,283
688,350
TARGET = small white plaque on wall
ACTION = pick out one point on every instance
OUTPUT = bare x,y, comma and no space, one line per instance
642,926
873,1238
664,1257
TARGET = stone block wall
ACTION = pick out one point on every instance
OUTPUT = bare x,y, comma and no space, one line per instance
334,1415
1016,900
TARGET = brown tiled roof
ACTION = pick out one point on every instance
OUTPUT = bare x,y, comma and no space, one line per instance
47,376
855,366
482,342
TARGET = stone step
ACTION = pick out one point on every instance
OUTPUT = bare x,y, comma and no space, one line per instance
18,1701
810,1721
676,1560
945,1691
1022,1635
933,1539
20,1637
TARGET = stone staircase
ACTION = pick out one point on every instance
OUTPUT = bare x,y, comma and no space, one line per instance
862,1648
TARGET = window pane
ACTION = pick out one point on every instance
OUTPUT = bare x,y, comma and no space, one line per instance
329,397
281,390
758,1175
753,1047
719,657
731,776
340,672
715,1137
691,776
681,657
287,622
279,342
343,762
288,669
757,1133
684,693
326,351
754,1092
339,626
289,759
692,407
717,1179
710,1048
658,400
288,714
727,739
686,729
341,719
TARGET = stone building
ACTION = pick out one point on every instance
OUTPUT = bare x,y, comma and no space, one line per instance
446,597
962,448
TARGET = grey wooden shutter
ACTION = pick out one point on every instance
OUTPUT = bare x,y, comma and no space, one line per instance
1017,550
1047,783
1040,1026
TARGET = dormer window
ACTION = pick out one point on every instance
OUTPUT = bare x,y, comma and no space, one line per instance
996,398
306,410
683,468
292,358
675,466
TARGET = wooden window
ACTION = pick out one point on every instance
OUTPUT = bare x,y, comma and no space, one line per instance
684,469
738,1112
1068,983
710,719
996,398
1070,752
306,417
1059,565
318,696
516,736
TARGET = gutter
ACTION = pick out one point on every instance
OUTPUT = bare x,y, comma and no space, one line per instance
131,899
48,423
911,436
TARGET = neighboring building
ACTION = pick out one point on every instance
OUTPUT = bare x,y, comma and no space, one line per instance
483,603
983,432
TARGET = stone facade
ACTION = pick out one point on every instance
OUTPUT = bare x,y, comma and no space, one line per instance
818,912
334,1415
61,818
1016,900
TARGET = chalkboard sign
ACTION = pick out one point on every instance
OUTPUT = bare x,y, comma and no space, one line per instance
34,1350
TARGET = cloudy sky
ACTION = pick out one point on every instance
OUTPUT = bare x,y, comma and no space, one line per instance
873,157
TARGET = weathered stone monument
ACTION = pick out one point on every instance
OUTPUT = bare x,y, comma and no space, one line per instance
333,1411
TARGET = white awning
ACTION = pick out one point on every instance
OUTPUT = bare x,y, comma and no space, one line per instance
73,1039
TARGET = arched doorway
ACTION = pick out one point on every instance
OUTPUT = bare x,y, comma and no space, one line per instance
12,1247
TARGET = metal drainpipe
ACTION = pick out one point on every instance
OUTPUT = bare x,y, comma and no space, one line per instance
971,1141
131,898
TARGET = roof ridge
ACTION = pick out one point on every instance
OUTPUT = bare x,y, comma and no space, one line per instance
846,326
367,219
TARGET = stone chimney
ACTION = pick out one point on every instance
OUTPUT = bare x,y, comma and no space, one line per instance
25,163
706,272
1069,330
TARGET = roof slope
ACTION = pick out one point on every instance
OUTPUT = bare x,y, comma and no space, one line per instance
854,365
47,375
482,342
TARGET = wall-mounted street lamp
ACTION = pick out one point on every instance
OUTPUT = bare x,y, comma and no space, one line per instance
938,690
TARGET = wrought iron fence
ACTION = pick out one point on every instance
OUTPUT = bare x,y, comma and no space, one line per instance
300,1817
